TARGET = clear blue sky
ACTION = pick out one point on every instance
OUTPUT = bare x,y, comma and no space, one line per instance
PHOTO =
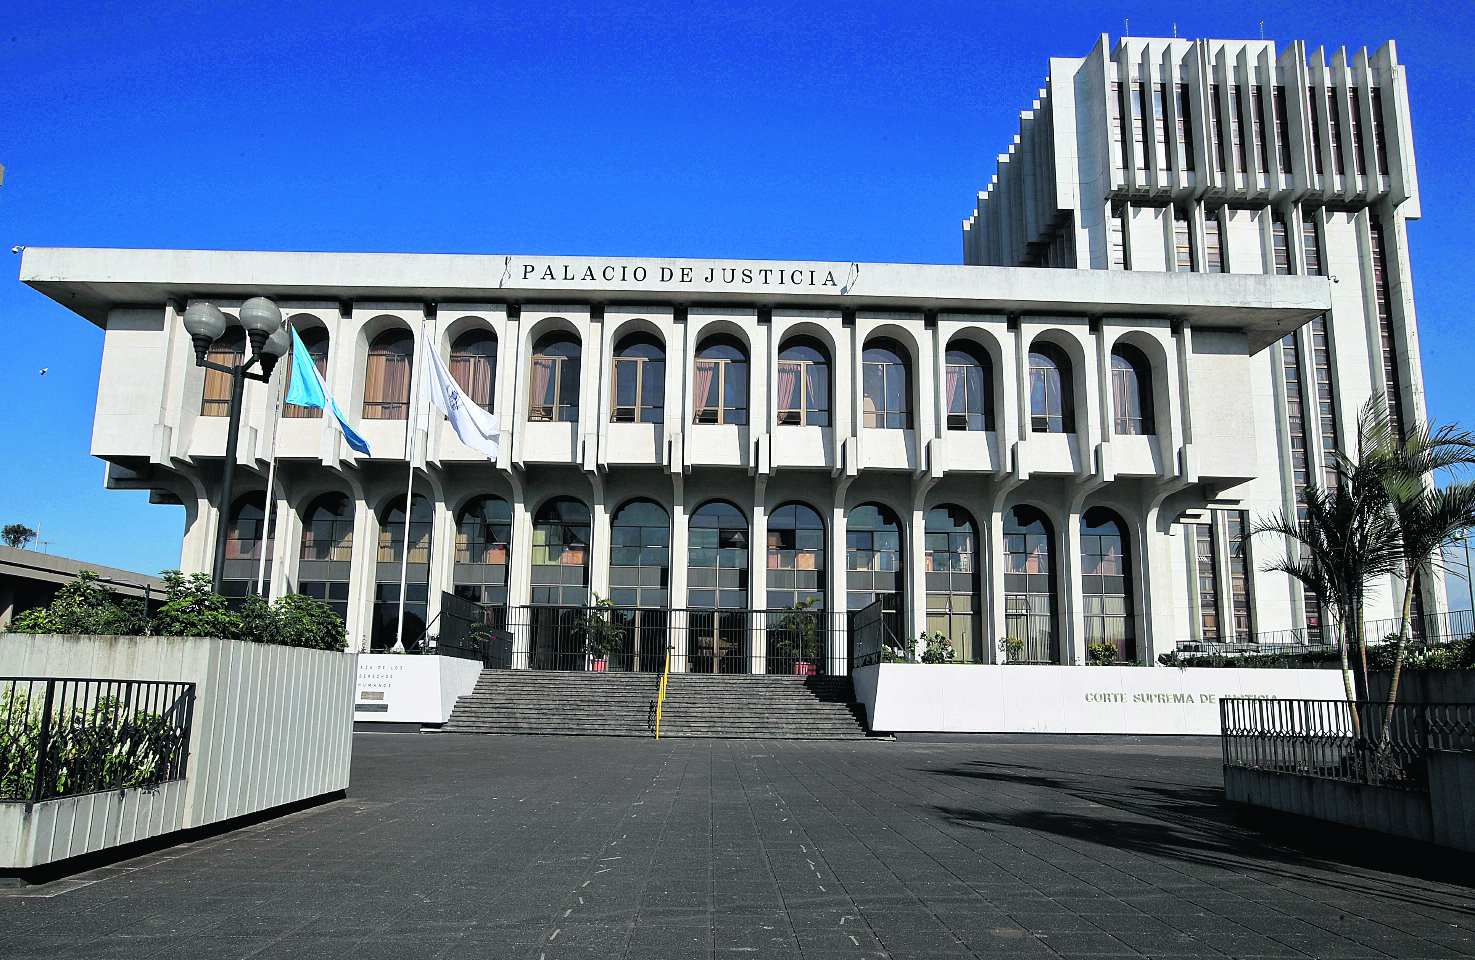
690,129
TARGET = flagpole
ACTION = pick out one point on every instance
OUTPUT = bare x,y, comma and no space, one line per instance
404,559
271,475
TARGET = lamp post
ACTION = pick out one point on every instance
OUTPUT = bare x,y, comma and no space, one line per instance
269,340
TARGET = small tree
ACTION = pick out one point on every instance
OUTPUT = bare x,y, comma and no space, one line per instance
601,635
796,635
17,535
84,607
192,609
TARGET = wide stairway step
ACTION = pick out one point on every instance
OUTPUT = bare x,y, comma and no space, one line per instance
696,705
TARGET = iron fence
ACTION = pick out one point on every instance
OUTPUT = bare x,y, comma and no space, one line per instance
1360,742
638,639
873,629
65,737
1429,628
473,631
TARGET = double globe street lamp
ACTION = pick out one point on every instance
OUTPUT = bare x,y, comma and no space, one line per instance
270,339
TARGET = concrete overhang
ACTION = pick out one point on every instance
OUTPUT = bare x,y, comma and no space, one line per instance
92,281
44,567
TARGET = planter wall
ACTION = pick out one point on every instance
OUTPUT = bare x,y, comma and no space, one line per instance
399,688
1424,686
999,698
272,726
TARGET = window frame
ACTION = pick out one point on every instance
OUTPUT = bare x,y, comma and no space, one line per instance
969,420
562,366
1065,421
377,404
640,411
464,363
883,417
810,412
724,369
1136,362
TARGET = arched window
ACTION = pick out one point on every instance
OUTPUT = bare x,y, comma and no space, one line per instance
555,387
1106,582
1051,396
229,350
474,366
1029,585
970,387
803,383
483,538
796,557
952,580
639,381
387,572
717,557
245,537
315,339
887,385
325,560
720,392
873,558
1131,391
561,553
640,555
387,379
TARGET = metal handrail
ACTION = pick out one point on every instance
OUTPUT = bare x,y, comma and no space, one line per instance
661,691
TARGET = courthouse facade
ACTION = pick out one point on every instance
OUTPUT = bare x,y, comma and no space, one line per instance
1188,274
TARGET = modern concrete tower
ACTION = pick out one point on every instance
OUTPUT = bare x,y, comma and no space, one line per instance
1226,156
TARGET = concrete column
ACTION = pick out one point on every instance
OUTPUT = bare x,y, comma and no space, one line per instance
679,562
599,539
362,576
519,571
1072,622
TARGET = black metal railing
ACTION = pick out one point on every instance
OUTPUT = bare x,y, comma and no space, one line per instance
1430,628
873,630
472,631
65,737
637,639
1340,740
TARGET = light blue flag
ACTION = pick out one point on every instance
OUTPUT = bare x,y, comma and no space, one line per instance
308,390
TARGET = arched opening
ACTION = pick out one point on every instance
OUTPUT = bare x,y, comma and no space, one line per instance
639,380
483,550
1051,394
1106,584
796,557
720,381
886,383
639,583
555,379
245,539
560,563
229,350
803,383
1131,392
315,339
326,557
717,582
969,387
874,559
1029,587
953,603
387,377
393,550
474,366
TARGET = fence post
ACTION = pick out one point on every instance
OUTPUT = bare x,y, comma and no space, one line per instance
43,744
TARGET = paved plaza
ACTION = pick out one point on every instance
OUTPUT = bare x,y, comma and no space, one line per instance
541,848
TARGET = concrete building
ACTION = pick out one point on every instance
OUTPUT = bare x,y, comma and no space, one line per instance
1002,449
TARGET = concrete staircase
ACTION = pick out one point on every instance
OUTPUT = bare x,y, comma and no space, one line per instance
622,705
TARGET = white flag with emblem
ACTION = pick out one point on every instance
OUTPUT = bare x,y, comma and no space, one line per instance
478,429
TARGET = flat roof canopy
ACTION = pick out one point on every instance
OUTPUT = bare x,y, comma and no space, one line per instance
91,281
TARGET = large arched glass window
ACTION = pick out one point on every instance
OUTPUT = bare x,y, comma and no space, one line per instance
887,385
717,557
803,383
1029,586
245,538
561,553
640,380
483,547
640,555
720,390
796,557
874,559
325,559
392,548
474,366
1106,582
1131,391
970,387
1051,396
315,339
387,379
952,580
229,350
555,381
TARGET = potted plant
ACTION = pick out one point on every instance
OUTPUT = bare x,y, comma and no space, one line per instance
601,635
937,648
796,637
1013,649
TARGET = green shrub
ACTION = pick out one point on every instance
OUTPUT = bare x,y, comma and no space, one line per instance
84,607
1102,654
938,649
1013,649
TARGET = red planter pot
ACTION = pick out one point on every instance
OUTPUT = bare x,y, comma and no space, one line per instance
802,669
599,664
